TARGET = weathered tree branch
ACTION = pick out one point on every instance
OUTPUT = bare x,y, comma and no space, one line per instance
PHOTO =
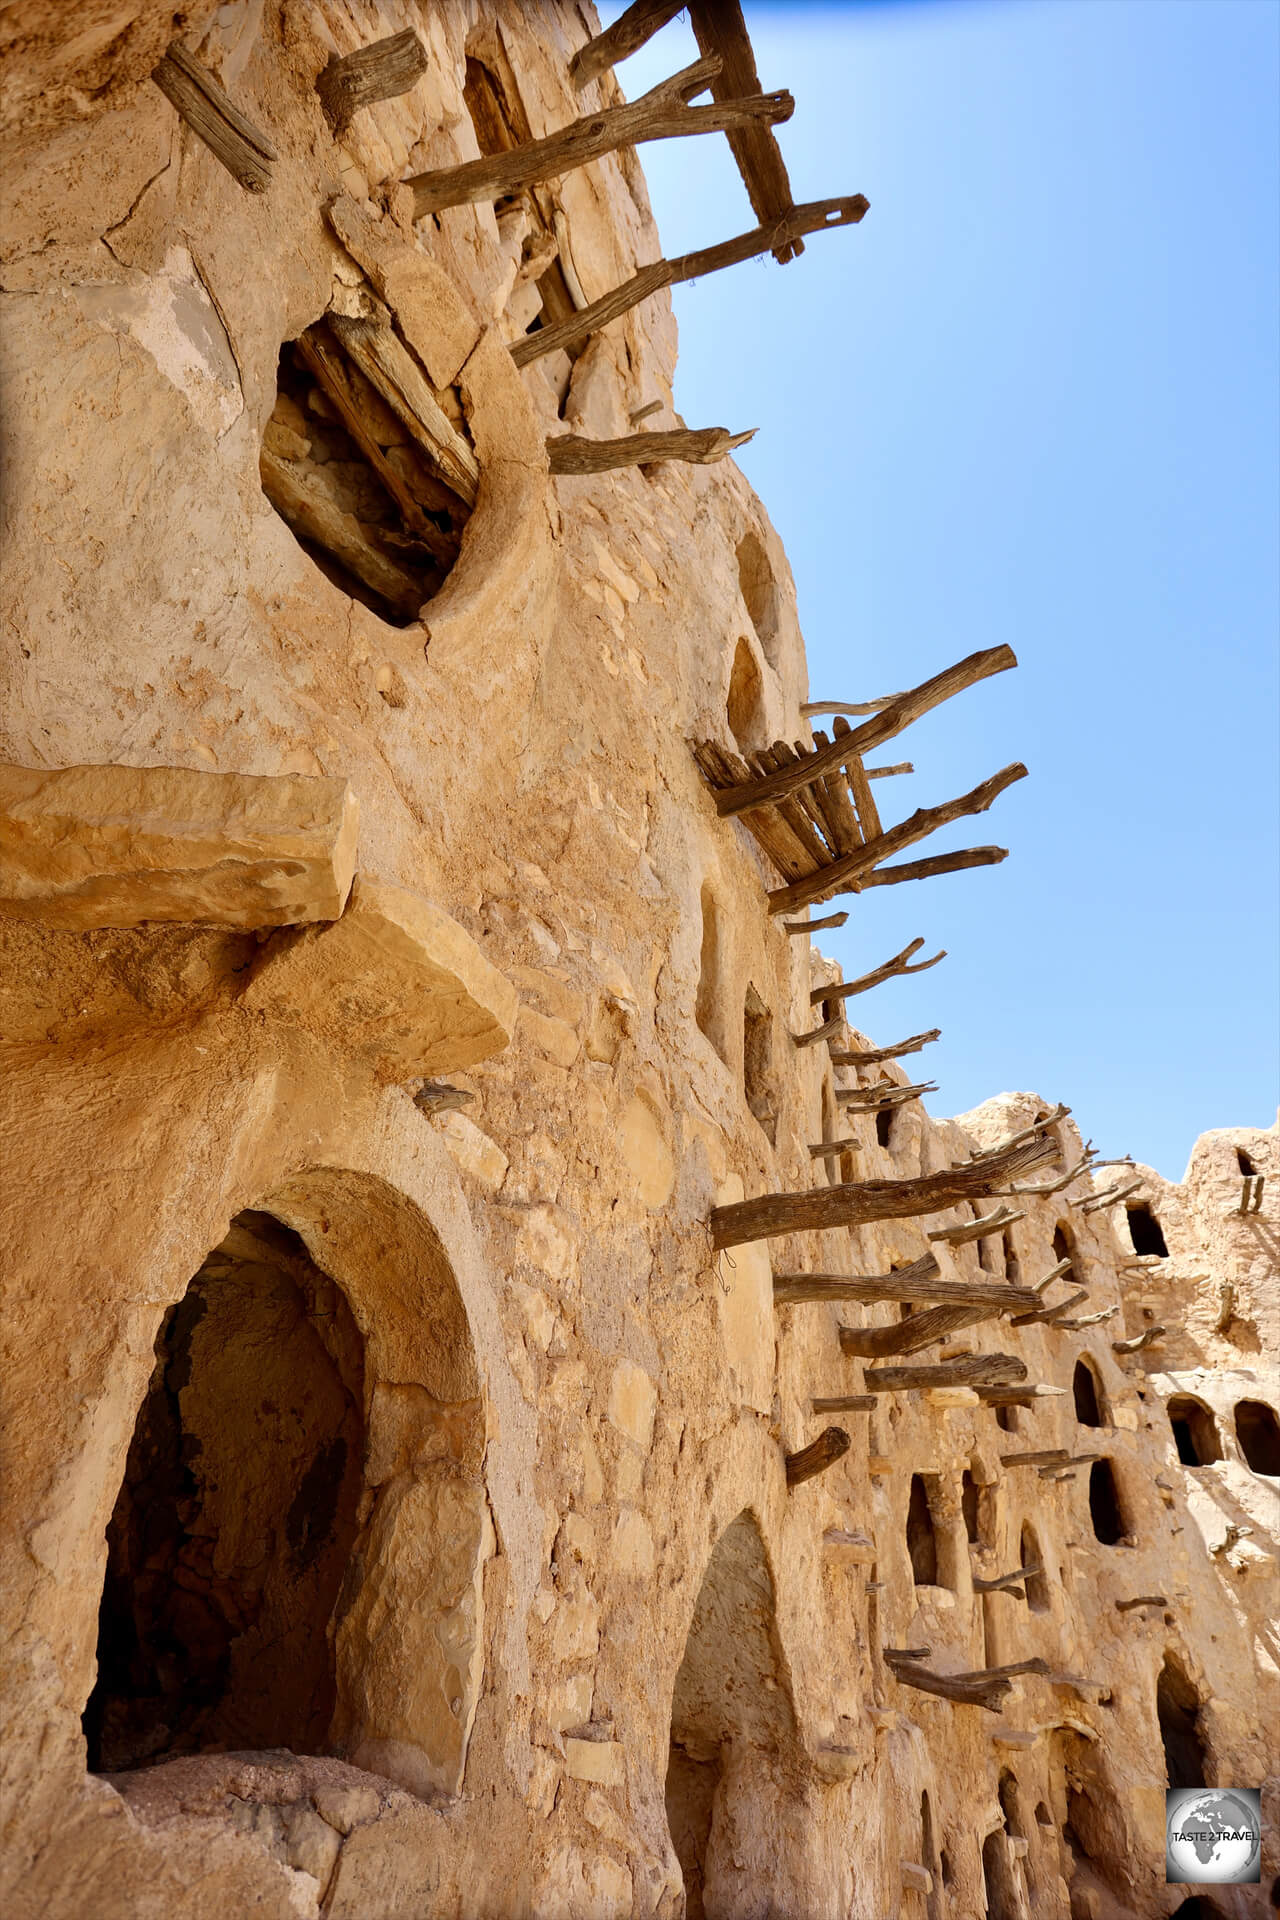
874,1055
963,1690
926,820
242,148
1108,1199
1054,1273
1139,1341
888,773
934,867
703,446
814,926
910,1335
971,1370
817,216
873,1099
629,32
1142,1600
831,1445
890,720
1049,1314
845,989
832,1149
387,364
661,114
382,71
856,709
846,1403
827,1031
1018,1396
857,1203
1044,1457
1087,1320
921,1283
1004,1580
976,1229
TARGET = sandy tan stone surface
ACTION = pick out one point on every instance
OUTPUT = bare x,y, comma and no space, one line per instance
396,1512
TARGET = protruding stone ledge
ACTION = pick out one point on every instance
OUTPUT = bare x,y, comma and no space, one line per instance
113,846
394,982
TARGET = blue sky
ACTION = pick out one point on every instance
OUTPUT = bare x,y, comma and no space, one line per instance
1034,398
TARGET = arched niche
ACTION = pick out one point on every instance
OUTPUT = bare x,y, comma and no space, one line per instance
1195,1431
1178,1715
733,1726
1258,1432
306,1468
744,702
1088,1398
759,591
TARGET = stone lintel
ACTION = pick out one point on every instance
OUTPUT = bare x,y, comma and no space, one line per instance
395,982
113,846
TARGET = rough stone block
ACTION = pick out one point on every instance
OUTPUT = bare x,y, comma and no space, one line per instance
599,1761
395,981
633,1399
112,846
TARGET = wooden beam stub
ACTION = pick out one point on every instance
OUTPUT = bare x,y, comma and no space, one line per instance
845,989
382,71
831,1445
703,446
814,926
976,1370
632,30
213,117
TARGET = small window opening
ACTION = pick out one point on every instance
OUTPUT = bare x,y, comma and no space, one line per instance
970,1495
1195,1432
237,1517
1007,1419
1036,1585
1145,1232
1002,1901
1258,1432
948,1873
759,590
1245,1161
745,702
1064,1249
1084,1388
1043,1816
377,498
921,1542
1104,1504
1010,1804
757,1062
987,1255
1178,1712
884,1126
1012,1265
710,1006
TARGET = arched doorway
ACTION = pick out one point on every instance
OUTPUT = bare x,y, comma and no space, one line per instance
1086,1394
1178,1712
296,1554
732,1722
1258,1432
1195,1431
234,1526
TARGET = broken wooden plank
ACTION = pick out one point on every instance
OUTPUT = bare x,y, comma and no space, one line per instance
388,365
663,113
889,773
965,1691
846,1403
632,30
382,71
845,989
1018,1396
314,514
833,790
858,1203
703,446
856,709
924,821
973,1370
1041,1457
872,1056
859,787
831,1445
882,726
243,149
832,1149
818,216
719,29
827,1031
814,926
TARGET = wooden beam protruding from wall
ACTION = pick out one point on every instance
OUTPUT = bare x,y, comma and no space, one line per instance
831,1445
874,1055
702,446
920,1283
854,867
719,28
876,1099
858,1203
382,71
976,1229
663,113
213,117
815,217
845,1403
1139,1341
884,725
918,1330
814,926
1113,1195
631,30
1005,1580
971,1370
845,989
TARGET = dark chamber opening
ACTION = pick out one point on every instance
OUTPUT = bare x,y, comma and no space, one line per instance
1084,1389
1258,1432
1104,1504
1195,1433
884,1126
921,1544
235,1522
1145,1232
1178,1711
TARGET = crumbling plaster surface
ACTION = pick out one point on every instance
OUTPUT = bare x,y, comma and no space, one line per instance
520,760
